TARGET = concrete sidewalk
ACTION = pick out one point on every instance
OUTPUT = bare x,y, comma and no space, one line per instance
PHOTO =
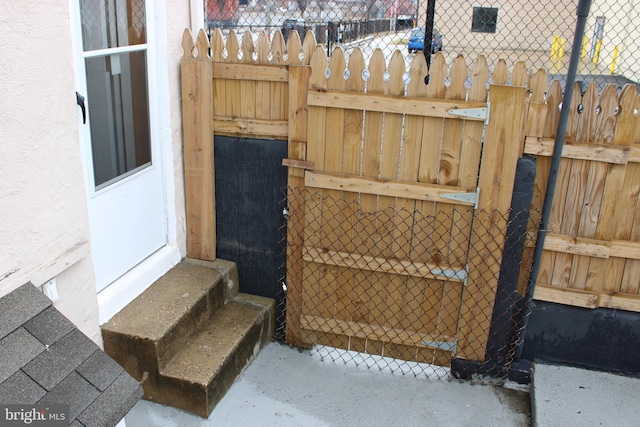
567,397
287,387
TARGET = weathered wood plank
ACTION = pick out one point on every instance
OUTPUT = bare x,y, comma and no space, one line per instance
497,172
197,109
575,297
538,146
268,128
368,331
379,187
392,104
384,265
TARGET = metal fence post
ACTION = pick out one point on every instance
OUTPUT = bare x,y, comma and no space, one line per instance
582,12
428,30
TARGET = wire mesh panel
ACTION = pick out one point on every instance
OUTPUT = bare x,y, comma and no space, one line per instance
538,32
402,314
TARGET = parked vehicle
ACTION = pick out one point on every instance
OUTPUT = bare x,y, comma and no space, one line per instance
291,24
416,40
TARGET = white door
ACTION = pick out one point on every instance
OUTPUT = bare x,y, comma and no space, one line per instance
122,160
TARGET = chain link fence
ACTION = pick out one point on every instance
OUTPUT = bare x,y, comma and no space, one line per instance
540,33
399,290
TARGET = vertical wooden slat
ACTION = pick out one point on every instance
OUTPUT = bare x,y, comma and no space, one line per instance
450,230
197,110
348,308
369,238
497,173
298,116
631,228
575,186
390,159
403,237
604,132
247,87
606,274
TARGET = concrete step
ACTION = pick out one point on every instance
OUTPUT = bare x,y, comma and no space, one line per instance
199,376
189,335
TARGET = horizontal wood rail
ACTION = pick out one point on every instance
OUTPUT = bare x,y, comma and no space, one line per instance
391,104
277,129
586,299
373,332
576,150
268,73
384,265
589,247
407,190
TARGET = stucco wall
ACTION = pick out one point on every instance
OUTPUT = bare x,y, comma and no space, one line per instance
178,18
43,216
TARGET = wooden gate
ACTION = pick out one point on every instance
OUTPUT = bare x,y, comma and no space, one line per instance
395,241
386,255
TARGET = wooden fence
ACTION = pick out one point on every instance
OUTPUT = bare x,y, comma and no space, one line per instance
391,140
592,251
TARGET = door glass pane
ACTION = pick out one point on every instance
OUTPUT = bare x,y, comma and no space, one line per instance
112,23
119,115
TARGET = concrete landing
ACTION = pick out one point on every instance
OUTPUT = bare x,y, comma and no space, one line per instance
566,396
284,386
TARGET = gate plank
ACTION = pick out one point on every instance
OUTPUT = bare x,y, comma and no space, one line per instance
497,172
375,296
351,157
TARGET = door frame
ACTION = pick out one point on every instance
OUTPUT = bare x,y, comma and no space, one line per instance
122,291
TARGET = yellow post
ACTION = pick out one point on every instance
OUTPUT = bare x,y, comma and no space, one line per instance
596,54
561,52
555,46
585,43
614,58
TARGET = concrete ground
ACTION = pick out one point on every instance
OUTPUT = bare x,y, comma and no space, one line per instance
566,396
287,387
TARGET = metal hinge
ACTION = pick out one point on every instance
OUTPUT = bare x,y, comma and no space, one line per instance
464,197
451,273
480,113
441,345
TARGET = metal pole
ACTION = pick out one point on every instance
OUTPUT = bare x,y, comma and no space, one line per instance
428,30
583,13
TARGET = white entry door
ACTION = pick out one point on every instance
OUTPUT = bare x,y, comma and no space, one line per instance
125,188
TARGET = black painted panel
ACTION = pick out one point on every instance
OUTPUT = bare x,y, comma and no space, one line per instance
249,187
602,339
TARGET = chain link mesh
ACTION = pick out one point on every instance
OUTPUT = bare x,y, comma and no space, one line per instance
540,33
399,290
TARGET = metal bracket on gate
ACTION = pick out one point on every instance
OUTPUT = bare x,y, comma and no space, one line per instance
464,197
480,113
441,345
451,273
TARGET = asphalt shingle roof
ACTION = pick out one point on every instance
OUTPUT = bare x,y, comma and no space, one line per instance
46,359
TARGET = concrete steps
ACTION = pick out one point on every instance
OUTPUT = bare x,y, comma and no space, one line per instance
189,335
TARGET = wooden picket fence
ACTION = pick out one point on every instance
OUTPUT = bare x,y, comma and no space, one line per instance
388,140
592,251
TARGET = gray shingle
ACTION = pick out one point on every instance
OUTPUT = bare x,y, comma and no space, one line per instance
100,370
49,326
114,403
19,306
50,367
16,350
74,391
20,389
76,423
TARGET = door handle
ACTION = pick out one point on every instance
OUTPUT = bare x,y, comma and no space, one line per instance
80,102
